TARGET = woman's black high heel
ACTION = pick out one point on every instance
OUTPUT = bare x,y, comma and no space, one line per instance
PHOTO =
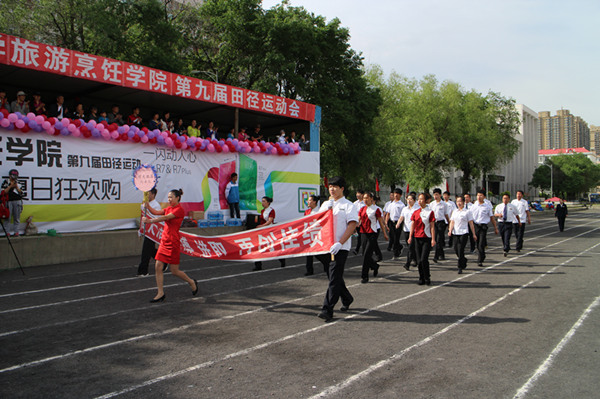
162,298
194,292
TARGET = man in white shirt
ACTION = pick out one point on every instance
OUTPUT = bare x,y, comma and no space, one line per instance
345,219
442,218
482,215
507,214
523,206
451,207
386,211
359,203
149,246
468,205
395,210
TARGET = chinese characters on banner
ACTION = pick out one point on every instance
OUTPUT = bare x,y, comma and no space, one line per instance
309,235
42,57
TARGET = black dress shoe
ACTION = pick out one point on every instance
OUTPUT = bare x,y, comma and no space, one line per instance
459,271
428,282
345,308
421,282
162,298
325,315
308,273
435,260
376,271
364,280
194,292
480,264
256,268
407,266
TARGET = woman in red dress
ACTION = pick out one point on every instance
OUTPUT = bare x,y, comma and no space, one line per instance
168,250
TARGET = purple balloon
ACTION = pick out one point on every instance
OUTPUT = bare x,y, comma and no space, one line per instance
181,139
130,134
95,132
64,131
160,140
58,125
190,142
32,124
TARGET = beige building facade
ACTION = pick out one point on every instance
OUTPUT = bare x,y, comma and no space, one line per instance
563,130
595,140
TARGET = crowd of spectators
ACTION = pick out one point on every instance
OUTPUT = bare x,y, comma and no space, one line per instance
192,128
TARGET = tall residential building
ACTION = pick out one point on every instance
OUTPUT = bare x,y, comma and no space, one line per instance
595,139
563,130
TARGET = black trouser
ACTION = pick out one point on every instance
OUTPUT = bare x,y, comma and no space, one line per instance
397,235
519,232
309,265
412,252
505,232
422,249
377,249
440,239
472,240
481,233
391,228
234,207
358,241
561,222
148,251
337,287
460,242
370,242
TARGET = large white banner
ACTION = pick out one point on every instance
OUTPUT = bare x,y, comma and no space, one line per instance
78,184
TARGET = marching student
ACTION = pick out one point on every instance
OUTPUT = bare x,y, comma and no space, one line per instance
368,216
523,207
468,205
359,203
442,218
482,216
451,207
267,217
395,209
313,202
460,221
168,250
507,214
407,212
345,219
386,211
422,231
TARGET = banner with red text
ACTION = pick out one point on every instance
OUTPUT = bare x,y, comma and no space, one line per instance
309,235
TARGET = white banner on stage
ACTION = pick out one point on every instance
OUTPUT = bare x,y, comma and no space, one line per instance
77,184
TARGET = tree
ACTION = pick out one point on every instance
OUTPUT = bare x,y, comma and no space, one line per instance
572,175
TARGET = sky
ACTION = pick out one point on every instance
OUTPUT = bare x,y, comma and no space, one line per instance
543,53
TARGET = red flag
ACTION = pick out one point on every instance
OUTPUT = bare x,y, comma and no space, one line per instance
407,186
447,187
376,185
325,180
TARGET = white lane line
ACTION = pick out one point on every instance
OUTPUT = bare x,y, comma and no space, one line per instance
333,389
184,327
524,390
352,316
203,269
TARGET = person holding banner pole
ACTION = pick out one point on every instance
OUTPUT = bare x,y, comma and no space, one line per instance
345,219
312,203
149,246
168,250
267,217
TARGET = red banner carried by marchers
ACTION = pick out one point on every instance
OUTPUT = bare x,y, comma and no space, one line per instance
309,235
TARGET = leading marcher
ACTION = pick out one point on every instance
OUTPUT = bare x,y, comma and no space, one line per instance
461,224
482,215
507,215
422,230
345,219
523,207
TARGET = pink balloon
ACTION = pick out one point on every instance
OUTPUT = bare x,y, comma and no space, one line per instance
31,115
125,128
256,149
169,142
105,134
273,150
19,124
93,123
46,125
65,121
72,128
39,119
165,135
210,148
4,122
12,118
76,133
225,148
114,134
144,139
184,145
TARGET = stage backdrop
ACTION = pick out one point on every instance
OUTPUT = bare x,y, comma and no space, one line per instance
76,184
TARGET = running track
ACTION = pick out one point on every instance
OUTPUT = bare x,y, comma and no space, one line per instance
525,326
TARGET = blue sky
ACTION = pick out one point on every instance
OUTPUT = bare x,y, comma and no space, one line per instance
544,54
